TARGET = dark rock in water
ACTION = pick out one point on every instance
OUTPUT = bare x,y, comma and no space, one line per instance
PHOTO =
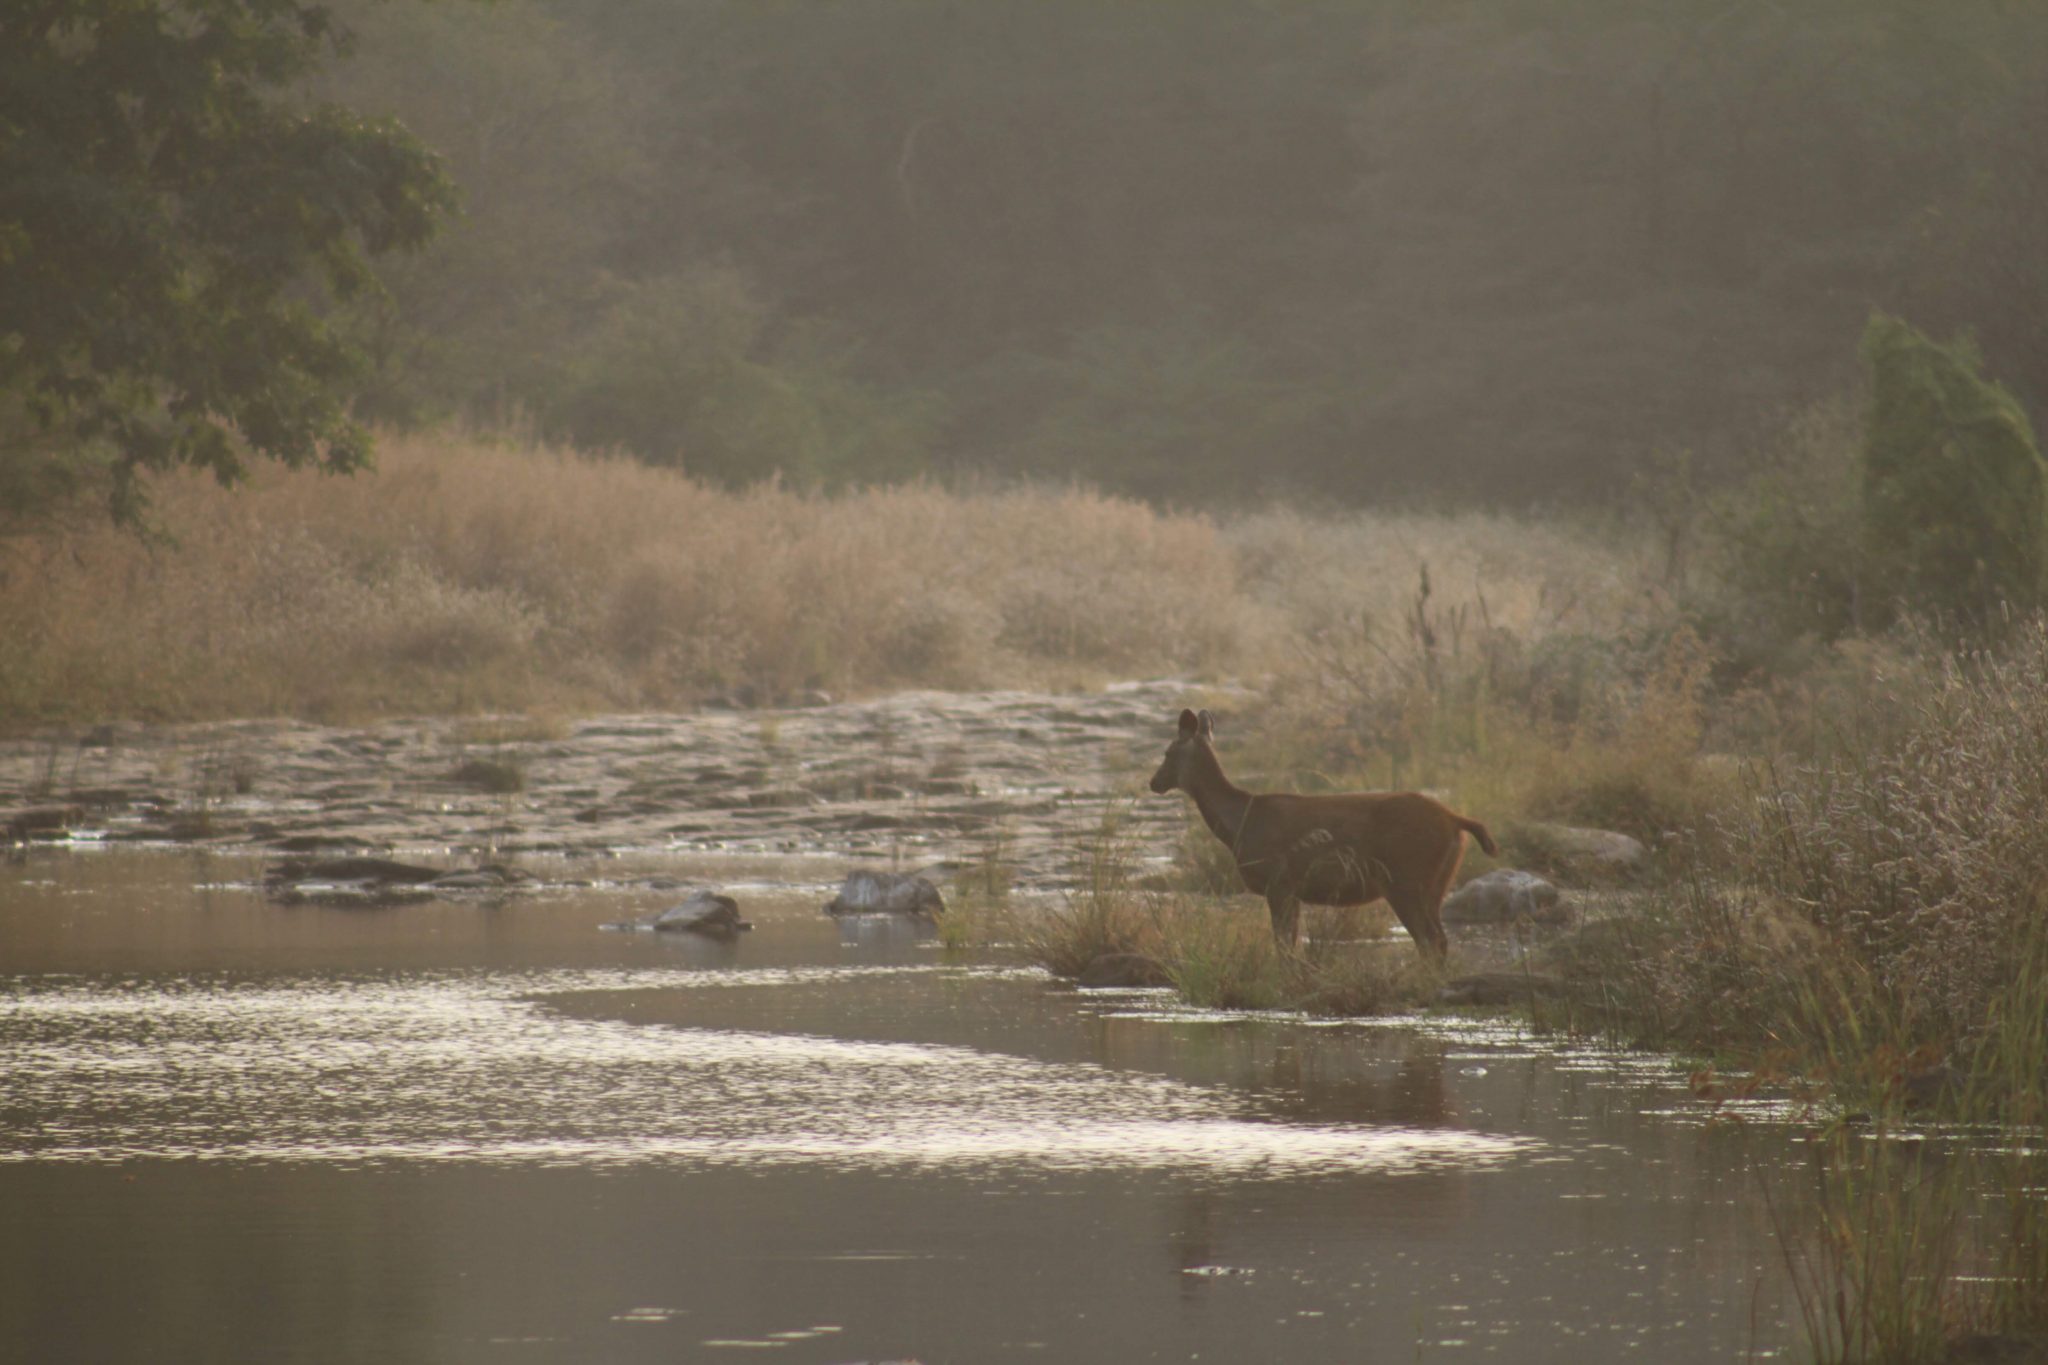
379,881
1499,988
103,798
706,912
192,828
887,893
780,798
42,822
1503,896
318,843
489,877
1123,969
373,871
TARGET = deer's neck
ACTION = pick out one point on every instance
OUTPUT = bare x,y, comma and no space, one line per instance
1223,803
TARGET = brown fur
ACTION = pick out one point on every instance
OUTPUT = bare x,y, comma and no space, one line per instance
1347,849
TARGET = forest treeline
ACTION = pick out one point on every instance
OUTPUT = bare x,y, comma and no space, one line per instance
1195,248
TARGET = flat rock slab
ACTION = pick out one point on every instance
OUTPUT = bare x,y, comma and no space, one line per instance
923,779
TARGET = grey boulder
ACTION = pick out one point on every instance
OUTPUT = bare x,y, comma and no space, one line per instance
1504,896
887,893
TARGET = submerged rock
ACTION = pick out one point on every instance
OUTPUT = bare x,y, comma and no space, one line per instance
380,881
379,871
1503,896
887,893
709,914
42,822
706,912
317,843
489,877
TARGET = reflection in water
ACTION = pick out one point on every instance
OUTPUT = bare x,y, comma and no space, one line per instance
467,1066
895,937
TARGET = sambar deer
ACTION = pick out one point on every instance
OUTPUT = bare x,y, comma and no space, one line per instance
1345,849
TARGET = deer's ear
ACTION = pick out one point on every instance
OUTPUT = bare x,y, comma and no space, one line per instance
1208,724
1189,723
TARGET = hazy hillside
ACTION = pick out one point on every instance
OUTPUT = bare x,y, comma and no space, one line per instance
1457,251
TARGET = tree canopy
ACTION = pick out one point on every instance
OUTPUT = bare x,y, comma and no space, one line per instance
177,226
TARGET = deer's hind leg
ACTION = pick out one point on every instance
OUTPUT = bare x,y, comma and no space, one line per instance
1285,908
1421,907
1418,915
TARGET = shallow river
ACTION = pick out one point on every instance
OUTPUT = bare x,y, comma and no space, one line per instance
237,1131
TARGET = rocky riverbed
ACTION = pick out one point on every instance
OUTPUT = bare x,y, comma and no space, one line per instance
918,780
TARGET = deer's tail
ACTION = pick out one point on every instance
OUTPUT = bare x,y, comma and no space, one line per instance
1478,831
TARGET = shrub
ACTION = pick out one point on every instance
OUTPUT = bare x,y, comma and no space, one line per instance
1955,493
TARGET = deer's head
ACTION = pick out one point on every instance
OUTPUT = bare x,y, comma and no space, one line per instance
1196,729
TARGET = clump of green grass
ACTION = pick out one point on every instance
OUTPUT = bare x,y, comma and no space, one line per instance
1104,915
978,911
1065,939
1220,956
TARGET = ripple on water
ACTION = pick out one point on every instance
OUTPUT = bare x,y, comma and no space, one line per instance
472,1067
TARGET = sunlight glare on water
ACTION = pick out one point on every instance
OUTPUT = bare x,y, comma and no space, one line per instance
474,1067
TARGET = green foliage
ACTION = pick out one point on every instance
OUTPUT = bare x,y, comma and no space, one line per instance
1791,553
1955,493
680,371
171,222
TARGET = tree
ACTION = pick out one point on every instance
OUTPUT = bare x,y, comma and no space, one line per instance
1955,492
175,229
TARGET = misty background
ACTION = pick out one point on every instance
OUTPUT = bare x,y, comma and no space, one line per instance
1190,249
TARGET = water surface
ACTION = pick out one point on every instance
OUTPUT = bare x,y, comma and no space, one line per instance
232,1130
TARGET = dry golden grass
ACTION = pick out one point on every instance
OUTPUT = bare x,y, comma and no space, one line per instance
465,575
